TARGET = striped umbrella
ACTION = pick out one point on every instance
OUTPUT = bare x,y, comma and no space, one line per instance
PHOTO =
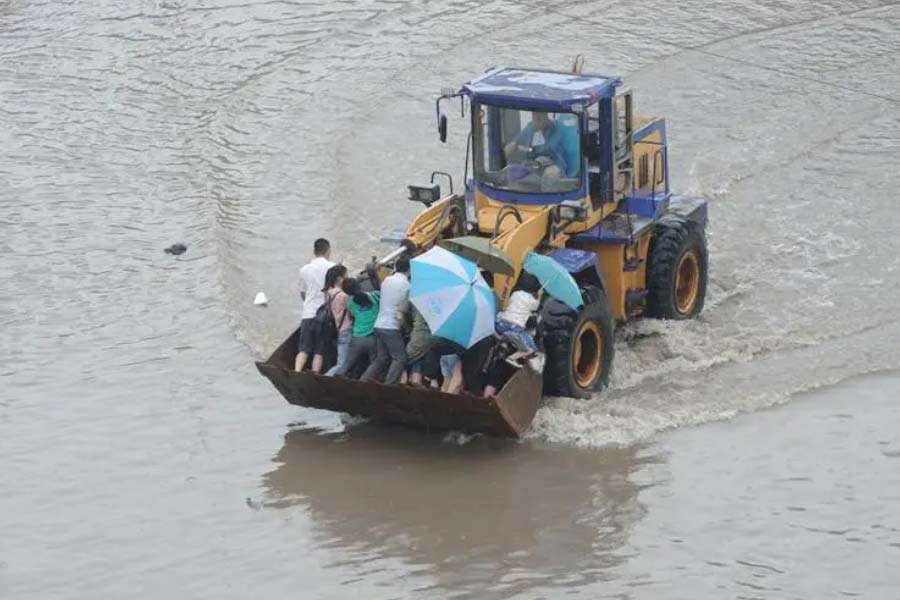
452,297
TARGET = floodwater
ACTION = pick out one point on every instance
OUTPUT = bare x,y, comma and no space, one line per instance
752,453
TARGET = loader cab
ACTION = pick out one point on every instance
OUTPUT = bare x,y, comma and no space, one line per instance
545,137
527,152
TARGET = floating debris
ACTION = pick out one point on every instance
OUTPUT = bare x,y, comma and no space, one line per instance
176,249
260,299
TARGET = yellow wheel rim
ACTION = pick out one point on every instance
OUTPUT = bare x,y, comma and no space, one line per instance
588,355
687,282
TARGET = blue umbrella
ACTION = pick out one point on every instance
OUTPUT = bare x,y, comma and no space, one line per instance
452,297
555,278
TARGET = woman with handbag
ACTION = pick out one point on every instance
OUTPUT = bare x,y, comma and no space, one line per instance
343,320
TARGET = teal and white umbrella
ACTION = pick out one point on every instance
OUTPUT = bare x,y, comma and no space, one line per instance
452,297
554,278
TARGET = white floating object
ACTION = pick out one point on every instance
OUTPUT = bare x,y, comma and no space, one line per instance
260,299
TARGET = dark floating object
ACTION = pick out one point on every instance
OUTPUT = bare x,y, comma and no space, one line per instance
176,249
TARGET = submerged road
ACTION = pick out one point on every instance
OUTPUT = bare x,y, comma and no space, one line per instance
751,453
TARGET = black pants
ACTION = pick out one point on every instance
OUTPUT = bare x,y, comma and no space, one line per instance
391,350
474,364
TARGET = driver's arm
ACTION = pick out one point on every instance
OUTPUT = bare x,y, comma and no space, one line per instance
523,139
555,149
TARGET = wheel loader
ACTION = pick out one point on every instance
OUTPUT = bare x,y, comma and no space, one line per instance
556,163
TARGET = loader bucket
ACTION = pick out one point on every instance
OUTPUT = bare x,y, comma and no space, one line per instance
509,414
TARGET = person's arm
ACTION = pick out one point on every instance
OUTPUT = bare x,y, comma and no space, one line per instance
558,153
404,301
403,305
371,271
301,285
523,139
553,148
526,135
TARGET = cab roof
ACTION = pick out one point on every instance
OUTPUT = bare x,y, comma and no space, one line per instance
553,91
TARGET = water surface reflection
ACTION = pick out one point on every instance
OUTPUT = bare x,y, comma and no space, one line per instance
487,515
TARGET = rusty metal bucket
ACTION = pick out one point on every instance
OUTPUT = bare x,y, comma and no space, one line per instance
509,414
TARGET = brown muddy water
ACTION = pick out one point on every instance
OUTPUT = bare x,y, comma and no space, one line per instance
753,453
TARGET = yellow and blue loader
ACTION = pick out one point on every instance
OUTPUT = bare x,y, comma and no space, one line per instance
556,163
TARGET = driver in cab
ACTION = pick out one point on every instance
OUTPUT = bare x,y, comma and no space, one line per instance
540,137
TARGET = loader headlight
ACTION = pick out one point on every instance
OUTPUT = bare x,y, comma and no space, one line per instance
426,194
572,210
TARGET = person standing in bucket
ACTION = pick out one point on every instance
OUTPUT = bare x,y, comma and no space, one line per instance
312,280
391,347
512,323
363,307
336,300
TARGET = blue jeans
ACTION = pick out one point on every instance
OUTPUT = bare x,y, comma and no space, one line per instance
448,361
517,335
343,346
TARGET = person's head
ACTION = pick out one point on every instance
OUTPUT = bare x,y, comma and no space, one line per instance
322,248
539,119
528,283
352,288
334,277
402,265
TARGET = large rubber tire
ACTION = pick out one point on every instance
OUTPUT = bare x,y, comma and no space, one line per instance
677,270
578,345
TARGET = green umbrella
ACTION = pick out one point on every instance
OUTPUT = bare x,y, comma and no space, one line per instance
480,251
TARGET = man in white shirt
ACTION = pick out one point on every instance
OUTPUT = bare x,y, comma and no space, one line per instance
391,349
312,280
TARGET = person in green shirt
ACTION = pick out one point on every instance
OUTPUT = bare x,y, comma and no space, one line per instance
364,308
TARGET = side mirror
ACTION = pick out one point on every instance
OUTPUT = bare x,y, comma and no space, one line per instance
426,194
442,128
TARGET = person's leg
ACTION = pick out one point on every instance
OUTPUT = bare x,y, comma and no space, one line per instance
305,344
499,374
325,344
517,357
322,344
354,353
382,358
474,365
528,343
415,373
448,363
343,347
519,337
431,364
455,385
371,348
396,348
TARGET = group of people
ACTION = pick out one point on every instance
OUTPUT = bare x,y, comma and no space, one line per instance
373,332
